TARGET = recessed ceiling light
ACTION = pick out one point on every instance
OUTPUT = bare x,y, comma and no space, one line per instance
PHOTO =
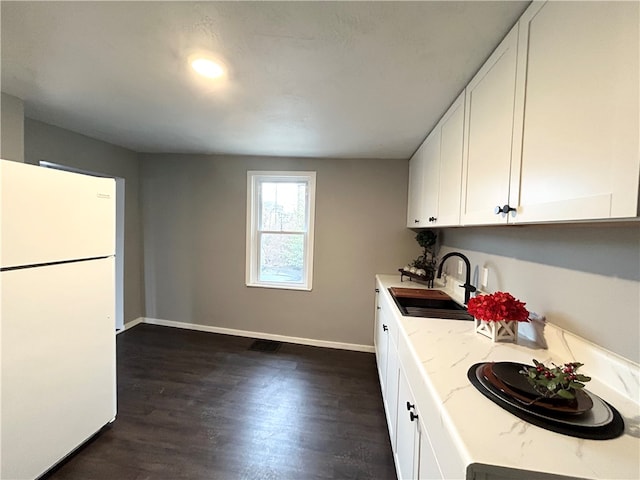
207,67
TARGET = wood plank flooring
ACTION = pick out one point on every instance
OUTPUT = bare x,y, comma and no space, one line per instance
194,405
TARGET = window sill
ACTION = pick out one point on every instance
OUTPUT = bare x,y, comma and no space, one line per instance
279,286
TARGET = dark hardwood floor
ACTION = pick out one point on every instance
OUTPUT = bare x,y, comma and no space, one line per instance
194,405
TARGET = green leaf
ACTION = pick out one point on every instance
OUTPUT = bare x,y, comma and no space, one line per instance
583,378
576,385
532,373
551,385
565,394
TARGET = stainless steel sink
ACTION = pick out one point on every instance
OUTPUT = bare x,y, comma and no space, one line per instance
442,306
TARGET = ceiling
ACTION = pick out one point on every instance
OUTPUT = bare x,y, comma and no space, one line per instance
311,79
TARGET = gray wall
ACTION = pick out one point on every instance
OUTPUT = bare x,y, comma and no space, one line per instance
194,213
583,278
57,145
11,128
609,249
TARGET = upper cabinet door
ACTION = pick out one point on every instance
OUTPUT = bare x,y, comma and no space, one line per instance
490,99
415,203
580,113
451,149
431,175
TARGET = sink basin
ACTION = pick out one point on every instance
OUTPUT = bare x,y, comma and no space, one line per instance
414,302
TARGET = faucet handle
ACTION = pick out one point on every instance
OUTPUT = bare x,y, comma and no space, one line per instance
469,287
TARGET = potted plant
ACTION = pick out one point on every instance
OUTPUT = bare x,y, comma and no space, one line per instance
557,382
427,261
497,315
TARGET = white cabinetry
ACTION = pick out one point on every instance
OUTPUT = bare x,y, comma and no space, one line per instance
385,340
414,456
489,129
393,372
404,395
415,203
451,132
381,341
580,155
435,173
408,442
552,118
431,174
428,468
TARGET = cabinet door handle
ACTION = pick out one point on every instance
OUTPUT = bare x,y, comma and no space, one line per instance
410,406
504,209
379,308
413,416
432,219
384,328
377,290
416,221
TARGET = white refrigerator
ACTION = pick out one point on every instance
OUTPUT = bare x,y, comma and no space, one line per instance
57,310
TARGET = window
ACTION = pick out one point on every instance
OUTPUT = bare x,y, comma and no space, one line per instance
280,213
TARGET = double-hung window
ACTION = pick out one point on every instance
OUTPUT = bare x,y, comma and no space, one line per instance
280,213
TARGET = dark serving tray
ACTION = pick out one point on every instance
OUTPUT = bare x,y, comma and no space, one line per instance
579,426
506,377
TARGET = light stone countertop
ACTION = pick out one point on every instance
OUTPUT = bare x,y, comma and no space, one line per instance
485,434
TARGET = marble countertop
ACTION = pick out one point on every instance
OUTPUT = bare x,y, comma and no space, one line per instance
486,434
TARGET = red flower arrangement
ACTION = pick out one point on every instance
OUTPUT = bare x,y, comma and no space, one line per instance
496,307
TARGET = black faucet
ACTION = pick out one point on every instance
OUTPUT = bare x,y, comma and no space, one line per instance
468,288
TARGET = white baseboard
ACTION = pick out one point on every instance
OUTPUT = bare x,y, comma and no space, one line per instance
131,324
243,333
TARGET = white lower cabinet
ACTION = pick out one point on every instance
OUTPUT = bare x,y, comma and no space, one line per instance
428,468
414,455
381,342
441,428
408,436
423,448
385,340
393,374
413,452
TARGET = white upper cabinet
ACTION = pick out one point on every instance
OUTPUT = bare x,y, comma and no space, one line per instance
431,175
415,205
551,125
424,171
450,181
552,118
579,108
439,162
489,121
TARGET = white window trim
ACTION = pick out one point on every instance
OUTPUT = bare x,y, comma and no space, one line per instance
253,177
